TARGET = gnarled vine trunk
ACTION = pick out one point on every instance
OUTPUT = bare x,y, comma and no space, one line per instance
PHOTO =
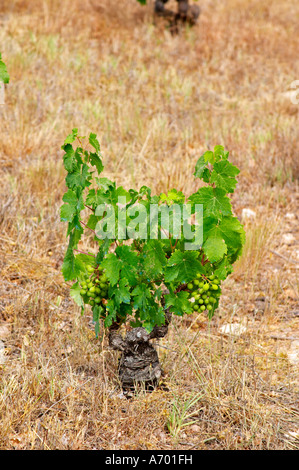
185,13
139,362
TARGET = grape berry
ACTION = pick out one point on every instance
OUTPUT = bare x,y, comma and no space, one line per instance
94,287
204,293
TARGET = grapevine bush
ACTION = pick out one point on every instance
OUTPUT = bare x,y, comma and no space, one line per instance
136,278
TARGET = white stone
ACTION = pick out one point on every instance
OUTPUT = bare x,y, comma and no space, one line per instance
233,329
293,353
248,213
288,238
2,353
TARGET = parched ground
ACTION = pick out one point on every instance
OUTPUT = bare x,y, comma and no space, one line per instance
156,101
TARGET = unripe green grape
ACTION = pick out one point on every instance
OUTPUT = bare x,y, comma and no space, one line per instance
201,291
83,292
91,301
97,290
209,307
196,282
216,281
97,300
200,301
214,287
196,307
212,277
198,275
206,287
190,286
202,308
204,296
201,284
207,301
212,300
92,289
89,285
102,285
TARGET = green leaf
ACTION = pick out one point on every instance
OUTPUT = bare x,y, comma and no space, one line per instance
220,153
73,207
122,292
71,137
179,303
67,213
112,313
201,169
105,183
142,296
154,258
97,310
223,175
75,294
209,156
94,142
214,247
223,269
230,230
214,200
182,267
96,161
155,316
173,196
79,178
112,266
71,266
129,262
4,76
69,158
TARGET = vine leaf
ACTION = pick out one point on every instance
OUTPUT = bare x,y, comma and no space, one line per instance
214,200
178,303
224,175
182,267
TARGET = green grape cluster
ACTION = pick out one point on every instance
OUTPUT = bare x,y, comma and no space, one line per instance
94,287
204,292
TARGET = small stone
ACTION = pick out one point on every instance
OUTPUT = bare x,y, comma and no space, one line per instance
233,329
288,238
4,331
293,353
248,213
2,353
195,428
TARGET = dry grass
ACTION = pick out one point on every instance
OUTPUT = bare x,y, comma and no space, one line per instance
156,102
